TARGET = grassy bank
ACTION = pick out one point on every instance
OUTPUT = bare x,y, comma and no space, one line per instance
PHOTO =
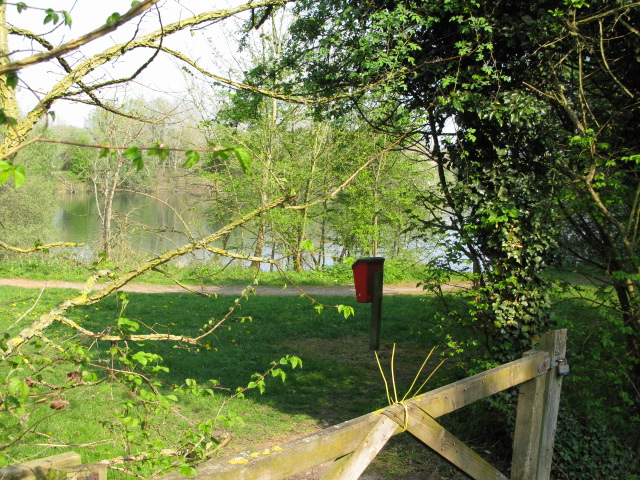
339,379
47,267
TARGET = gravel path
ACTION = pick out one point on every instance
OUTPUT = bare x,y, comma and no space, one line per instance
338,290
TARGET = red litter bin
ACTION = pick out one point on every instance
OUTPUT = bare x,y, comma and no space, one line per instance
363,276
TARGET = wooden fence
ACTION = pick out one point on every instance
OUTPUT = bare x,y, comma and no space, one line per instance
352,445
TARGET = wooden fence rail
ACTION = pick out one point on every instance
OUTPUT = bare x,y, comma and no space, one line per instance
355,443
352,445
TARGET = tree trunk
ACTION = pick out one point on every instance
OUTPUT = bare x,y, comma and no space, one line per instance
259,245
7,94
302,230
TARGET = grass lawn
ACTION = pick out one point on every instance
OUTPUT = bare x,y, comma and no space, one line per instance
339,379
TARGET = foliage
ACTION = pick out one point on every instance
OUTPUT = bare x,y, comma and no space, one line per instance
541,160
25,219
137,377
591,451
544,158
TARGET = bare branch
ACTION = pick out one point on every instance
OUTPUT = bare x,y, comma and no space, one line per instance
61,89
609,12
84,298
37,248
606,63
78,42
121,338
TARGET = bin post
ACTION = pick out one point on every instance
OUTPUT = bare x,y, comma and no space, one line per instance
376,311
367,276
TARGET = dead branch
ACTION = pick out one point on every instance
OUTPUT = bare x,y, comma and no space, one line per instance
37,248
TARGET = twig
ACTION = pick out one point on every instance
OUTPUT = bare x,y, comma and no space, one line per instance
36,248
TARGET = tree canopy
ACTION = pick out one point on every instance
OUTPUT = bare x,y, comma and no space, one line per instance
530,111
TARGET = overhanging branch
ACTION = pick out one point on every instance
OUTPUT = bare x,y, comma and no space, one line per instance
78,42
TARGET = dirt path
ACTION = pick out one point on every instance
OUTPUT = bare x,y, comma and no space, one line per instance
338,290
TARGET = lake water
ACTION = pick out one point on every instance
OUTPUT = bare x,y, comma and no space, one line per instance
151,224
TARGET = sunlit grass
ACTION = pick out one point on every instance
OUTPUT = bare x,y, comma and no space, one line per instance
338,367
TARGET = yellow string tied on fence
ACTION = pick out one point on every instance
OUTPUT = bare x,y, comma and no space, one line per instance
394,400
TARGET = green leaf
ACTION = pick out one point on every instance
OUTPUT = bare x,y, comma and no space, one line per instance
307,245
126,324
18,388
113,18
135,155
51,16
295,362
89,377
19,176
346,310
104,152
52,114
21,6
5,119
192,159
12,79
244,158
122,296
144,358
222,155
67,18
188,471
158,149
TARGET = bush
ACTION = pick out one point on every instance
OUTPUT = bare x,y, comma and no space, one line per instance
590,450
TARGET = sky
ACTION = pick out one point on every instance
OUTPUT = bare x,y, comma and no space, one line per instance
164,78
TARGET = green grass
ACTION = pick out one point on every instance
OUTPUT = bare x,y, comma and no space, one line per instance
339,379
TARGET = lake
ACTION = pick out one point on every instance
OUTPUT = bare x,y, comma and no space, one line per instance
151,224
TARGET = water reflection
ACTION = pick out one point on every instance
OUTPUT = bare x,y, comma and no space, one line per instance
151,225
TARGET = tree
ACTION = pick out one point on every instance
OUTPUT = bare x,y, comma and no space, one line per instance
533,108
30,342
528,110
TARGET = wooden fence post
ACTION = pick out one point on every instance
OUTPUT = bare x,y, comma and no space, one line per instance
376,311
537,415
88,471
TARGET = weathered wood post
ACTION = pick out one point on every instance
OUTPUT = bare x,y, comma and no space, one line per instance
537,415
88,471
38,469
